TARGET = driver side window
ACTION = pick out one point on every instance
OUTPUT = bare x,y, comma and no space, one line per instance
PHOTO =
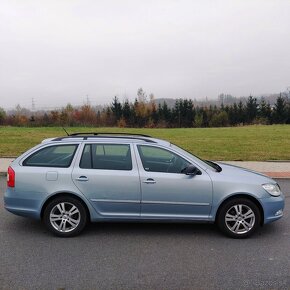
155,159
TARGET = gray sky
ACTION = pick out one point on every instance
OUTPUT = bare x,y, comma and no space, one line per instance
59,51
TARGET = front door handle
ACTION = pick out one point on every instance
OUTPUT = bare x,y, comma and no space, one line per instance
82,178
149,181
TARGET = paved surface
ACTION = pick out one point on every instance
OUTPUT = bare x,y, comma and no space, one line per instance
143,256
273,169
4,163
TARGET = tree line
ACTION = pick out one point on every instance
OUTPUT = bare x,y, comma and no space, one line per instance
144,112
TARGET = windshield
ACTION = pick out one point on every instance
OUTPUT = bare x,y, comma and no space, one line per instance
205,163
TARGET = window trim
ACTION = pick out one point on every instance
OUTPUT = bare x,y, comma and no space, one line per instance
52,165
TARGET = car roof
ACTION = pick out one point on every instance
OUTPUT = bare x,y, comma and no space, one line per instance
107,137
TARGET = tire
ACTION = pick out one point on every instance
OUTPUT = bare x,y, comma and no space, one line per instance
239,218
65,216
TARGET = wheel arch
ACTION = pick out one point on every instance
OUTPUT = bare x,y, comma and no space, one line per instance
61,194
242,195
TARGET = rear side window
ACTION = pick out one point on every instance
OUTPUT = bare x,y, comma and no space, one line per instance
52,156
106,156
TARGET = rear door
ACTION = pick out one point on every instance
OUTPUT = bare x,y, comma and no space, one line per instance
107,175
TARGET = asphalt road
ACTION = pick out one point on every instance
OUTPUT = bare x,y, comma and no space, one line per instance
143,256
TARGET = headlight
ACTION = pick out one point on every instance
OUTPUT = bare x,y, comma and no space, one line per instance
271,188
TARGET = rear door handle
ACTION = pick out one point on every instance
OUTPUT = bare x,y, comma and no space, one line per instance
149,181
82,178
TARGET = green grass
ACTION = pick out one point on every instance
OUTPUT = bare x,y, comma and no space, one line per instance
232,143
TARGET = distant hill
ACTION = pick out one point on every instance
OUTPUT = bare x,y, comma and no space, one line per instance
225,99
170,102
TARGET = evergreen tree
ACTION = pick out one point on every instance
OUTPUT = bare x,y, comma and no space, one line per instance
183,113
190,113
205,117
2,116
166,113
233,115
116,108
264,111
136,121
251,109
154,115
241,113
288,113
127,113
177,113
280,111
198,118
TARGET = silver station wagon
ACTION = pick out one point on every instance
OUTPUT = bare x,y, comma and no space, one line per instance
69,181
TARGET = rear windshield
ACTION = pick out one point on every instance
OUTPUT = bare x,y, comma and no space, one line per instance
52,156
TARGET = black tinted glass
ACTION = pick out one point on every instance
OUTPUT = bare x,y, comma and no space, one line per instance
156,159
52,156
107,156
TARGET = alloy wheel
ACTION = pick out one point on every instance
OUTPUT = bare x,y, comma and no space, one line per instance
65,217
240,219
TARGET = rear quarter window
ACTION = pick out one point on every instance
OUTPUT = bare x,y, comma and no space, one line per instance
52,156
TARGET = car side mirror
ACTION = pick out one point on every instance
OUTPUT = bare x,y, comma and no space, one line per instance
191,170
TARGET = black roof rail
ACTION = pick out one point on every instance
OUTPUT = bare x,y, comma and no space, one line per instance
85,137
108,133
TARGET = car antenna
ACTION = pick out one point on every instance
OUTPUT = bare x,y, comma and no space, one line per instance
65,131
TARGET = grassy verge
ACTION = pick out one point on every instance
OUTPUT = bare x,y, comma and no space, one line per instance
232,143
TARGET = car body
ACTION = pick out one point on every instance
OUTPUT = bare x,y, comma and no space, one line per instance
67,181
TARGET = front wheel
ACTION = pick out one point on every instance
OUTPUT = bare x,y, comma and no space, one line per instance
239,218
65,216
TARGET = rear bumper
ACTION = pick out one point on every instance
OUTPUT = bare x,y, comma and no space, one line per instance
23,204
273,208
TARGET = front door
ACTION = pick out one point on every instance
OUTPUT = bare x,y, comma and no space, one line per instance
107,175
166,191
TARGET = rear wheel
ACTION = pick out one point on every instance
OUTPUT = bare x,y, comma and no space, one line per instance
65,216
239,218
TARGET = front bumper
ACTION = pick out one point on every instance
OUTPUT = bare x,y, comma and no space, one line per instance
273,208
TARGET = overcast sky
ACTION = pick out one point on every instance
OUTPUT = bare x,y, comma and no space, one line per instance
59,51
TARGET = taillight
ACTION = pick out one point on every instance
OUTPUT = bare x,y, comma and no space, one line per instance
10,177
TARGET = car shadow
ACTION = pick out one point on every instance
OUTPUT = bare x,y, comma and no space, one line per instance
150,228
25,226
22,227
